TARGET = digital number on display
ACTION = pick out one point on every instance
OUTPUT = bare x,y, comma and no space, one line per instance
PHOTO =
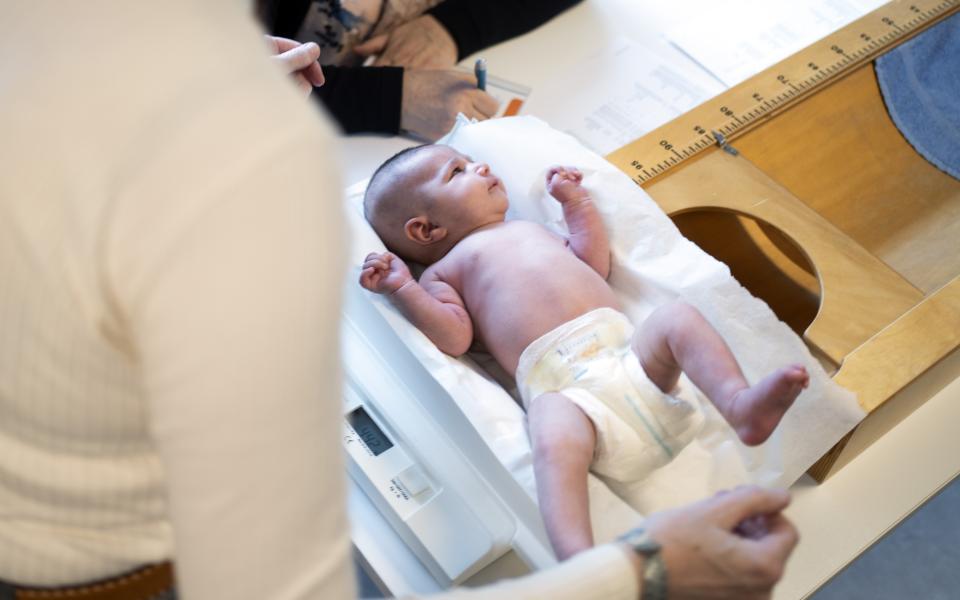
370,434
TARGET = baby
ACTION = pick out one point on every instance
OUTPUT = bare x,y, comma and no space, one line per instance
596,391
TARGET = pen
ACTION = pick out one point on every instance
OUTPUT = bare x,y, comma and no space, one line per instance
480,70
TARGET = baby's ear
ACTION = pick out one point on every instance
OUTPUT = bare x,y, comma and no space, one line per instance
421,231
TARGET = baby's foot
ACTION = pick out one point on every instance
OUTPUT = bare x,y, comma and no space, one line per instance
563,183
755,411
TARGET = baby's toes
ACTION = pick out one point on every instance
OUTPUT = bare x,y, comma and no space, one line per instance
798,376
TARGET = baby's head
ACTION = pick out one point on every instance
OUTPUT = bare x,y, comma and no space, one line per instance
424,200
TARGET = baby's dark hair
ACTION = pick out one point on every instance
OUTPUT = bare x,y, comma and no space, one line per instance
381,177
391,198
396,158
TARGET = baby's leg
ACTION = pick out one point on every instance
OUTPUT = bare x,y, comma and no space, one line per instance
563,440
677,338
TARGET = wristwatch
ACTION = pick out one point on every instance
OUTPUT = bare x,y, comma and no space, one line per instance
654,571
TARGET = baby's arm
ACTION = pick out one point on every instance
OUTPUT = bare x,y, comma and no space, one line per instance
563,442
588,239
432,305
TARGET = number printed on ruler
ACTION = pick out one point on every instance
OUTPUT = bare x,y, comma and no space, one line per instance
755,100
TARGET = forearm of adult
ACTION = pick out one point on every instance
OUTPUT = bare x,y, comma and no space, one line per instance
588,237
478,25
608,572
447,324
363,99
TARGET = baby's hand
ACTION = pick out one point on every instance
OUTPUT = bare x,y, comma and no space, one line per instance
384,273
563,183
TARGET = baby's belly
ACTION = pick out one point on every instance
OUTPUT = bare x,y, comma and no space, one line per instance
509,316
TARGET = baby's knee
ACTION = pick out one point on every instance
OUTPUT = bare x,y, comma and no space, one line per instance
679,311
679,317
666,322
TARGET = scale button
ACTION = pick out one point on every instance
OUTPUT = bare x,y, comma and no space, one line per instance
414,480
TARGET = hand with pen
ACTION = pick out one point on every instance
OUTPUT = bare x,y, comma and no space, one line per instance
432,99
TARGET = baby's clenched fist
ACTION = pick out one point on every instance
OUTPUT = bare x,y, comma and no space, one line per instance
384,273
563,183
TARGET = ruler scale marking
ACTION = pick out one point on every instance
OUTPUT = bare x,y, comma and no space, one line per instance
754,101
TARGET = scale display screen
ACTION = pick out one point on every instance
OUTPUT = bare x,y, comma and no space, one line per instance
373,437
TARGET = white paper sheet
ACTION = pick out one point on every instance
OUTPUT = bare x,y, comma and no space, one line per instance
620,94
737,39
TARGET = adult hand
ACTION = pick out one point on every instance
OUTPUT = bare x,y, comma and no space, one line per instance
732,546
422,43
299,60
432,99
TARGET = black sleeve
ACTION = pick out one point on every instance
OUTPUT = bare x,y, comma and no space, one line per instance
479,24
283,17
363,99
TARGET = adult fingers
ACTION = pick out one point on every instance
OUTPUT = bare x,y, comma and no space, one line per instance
374,45
780,539
485,104
300,57
303,84
281,45
314,74
747,501
763,561
406,50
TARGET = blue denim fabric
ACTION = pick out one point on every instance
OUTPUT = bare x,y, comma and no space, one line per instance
920,82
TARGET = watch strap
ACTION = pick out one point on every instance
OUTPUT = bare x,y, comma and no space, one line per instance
654,571
654,578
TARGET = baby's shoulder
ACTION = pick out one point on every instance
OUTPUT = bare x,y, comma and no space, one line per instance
450,267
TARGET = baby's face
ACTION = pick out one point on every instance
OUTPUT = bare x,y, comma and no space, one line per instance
461,192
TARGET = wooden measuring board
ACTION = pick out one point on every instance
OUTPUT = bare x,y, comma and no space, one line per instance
821,208
752,102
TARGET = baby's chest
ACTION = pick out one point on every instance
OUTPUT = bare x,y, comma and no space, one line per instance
525,235
519,251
